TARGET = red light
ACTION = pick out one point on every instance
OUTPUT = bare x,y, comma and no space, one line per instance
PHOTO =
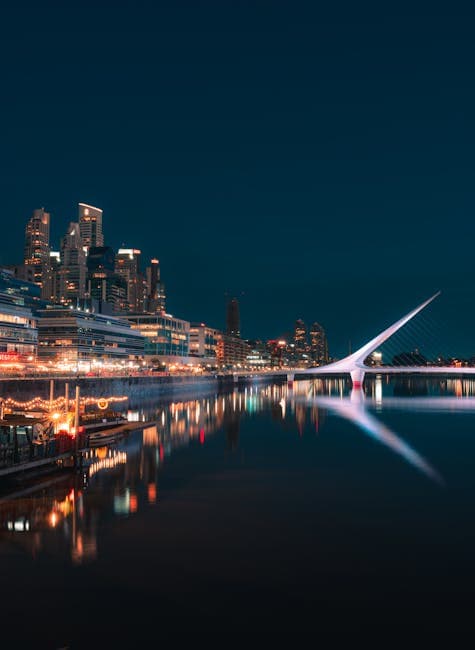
133,503
202,436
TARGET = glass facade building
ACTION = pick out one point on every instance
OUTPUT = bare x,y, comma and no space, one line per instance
164,334
71,336
18,330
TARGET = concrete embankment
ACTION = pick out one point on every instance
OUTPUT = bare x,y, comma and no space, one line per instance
134,387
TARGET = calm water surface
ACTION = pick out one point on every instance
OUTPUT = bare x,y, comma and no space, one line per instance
312,504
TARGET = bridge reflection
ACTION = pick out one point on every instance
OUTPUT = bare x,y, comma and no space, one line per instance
123,480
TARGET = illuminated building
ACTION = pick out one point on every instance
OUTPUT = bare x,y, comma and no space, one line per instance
232,351
72,272
300,336
164,334
24,293
90,225
51,290
18,330
233,327
258,355
104,287
36,252
318,345
72,336
127,265
155,288
204,342
277,349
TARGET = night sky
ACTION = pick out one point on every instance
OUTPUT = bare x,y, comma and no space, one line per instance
317,163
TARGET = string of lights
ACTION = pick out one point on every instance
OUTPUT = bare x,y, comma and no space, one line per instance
49,405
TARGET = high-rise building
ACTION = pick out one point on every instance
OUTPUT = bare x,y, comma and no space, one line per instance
72,272
155,288
127,265
104,287
90,224
318,344
233,327
36,252
300,336
51,288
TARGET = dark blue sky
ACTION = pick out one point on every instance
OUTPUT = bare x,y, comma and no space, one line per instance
319,161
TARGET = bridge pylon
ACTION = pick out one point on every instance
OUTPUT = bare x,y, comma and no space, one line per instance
353,364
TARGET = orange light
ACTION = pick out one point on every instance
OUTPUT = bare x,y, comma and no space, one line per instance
133,503
152,492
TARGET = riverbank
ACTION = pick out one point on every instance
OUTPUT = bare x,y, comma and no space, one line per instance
134,387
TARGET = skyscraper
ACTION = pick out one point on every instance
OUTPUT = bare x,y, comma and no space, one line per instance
155,288
106,288
90,224
127,264
51,288
318,344
72,272
300,336
232,318
36,253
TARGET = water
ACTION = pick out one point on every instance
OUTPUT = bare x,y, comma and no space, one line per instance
315,504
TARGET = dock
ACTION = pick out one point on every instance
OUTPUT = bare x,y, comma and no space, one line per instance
61,452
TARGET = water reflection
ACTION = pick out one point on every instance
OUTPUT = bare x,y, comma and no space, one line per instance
353,408
66,512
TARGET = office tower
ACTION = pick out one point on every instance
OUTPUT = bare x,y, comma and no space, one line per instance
72,273
155,288
36,253
232,318
300,336
318,344
127,265
104,287
90,224
51,287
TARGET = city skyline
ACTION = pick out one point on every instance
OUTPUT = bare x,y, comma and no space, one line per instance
323,181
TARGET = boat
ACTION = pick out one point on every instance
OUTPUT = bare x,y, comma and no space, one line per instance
97,421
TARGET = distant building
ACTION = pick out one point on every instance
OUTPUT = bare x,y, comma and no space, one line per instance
51,288
72,272
165,335
73,337
232,351
127,265
258,355
277,349
36,251
204,342
107,288
90,225
300,336
233,325
155,288
318,345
